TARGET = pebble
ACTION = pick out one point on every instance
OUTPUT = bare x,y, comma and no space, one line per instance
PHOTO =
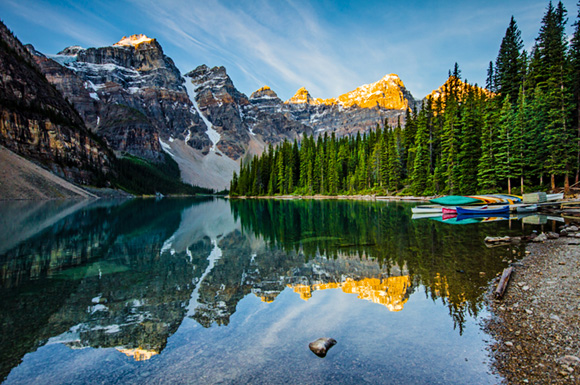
569,360
539,346
540,238
572,228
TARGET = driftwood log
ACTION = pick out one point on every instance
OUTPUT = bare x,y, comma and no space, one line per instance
503,282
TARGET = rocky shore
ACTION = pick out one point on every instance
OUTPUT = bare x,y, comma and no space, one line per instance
536,325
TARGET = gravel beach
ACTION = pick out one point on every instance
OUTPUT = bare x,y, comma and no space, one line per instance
536,326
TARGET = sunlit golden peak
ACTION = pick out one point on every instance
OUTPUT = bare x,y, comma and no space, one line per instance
302,96
138,354
386,93
265,88
133,40
390,292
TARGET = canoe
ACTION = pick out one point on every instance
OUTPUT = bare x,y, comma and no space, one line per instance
482,218
512,197
554,197
498,198
425,215
489,199
426,209
483,211
453,220
527,209
453,210
456,200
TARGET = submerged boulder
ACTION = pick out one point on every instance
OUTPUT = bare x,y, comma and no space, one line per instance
321,346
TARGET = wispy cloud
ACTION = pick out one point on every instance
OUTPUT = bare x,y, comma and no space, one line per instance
292,46
62,21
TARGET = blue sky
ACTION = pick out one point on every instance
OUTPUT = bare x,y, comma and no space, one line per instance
329,47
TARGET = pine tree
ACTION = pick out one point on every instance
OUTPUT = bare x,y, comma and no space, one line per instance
520,128
575,80
394,164
332,166
450,145
489,82
486,175
550,71
469,147
508,65
421,168
504,156
537,153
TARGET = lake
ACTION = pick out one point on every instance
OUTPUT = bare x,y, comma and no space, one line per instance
211,291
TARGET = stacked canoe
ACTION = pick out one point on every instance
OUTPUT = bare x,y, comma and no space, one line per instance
460,200
474,205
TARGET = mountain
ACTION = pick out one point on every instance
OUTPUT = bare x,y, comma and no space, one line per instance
242,125
359,110
133,96
37,123
129,93
246,125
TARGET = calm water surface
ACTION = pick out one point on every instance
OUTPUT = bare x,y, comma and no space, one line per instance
213,291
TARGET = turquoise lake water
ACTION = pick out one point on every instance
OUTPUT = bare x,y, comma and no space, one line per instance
212,291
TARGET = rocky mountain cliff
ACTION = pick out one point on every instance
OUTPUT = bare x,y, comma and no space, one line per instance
39,124
247,124
242,125
129,93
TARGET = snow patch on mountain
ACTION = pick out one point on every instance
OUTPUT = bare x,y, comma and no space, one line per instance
213,257
166,147
213,135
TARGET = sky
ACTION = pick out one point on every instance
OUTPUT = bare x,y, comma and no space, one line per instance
329,47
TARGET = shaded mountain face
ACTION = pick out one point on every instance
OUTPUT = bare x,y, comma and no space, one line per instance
243,125
39,124
130,93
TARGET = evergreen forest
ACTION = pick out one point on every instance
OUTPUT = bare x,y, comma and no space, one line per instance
520,133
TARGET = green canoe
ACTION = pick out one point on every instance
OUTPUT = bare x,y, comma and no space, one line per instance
456,200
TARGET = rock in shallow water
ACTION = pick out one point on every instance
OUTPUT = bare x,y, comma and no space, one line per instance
321,346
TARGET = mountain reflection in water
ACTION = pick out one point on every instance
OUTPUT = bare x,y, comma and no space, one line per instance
126,275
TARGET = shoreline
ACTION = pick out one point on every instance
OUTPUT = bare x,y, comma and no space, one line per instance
536,325
340,197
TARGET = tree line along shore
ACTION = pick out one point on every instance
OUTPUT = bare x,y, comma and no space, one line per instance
518,134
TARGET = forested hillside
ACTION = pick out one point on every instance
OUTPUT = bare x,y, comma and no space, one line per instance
520,133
